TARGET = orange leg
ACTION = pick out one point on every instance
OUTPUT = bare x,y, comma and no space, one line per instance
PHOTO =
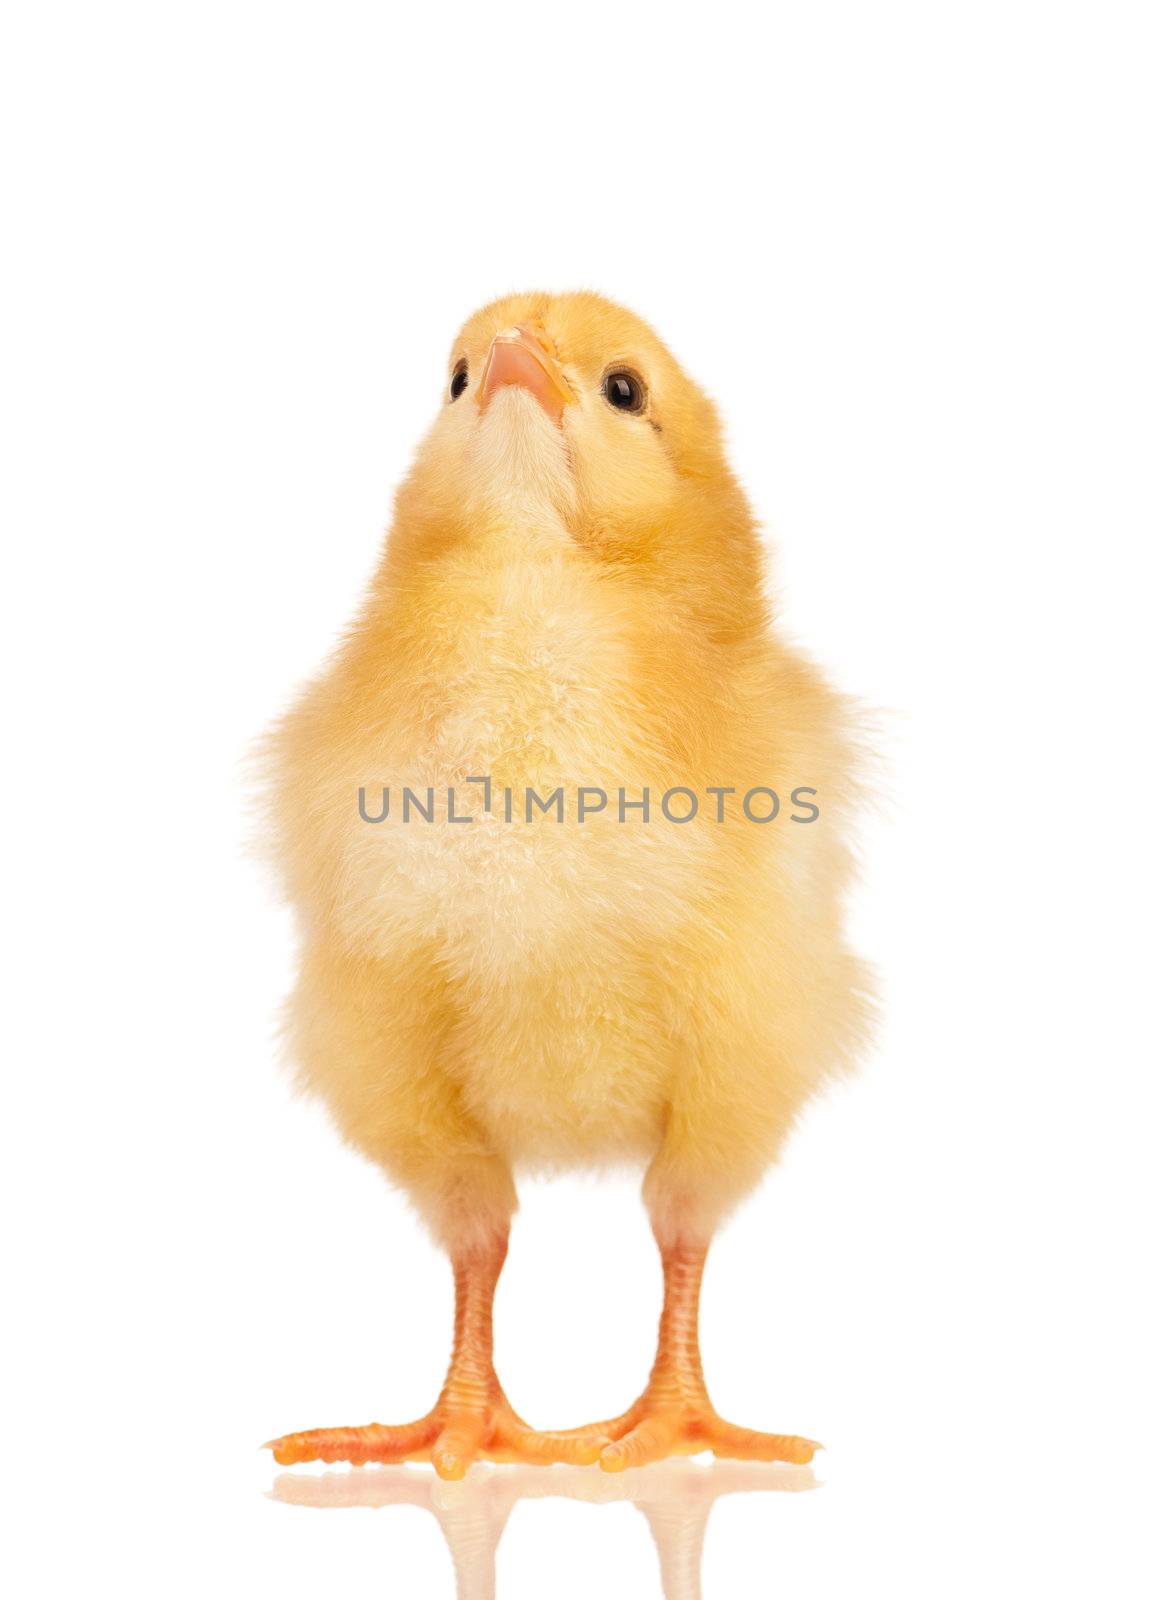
674,1415
472,1419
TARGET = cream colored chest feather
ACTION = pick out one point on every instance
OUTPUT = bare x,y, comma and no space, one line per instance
540,846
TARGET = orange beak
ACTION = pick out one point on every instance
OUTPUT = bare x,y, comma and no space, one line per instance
525,356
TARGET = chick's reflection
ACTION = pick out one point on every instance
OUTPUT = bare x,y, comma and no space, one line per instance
674,1496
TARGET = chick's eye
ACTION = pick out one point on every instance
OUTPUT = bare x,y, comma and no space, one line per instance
459,380
624,390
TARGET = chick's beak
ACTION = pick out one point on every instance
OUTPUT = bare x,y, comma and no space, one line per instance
525,355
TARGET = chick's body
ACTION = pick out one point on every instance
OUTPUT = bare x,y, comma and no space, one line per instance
569,601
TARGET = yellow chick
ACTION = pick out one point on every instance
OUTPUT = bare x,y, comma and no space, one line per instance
564,825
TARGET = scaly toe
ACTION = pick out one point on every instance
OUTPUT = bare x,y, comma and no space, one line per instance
538,1449
615,1428
652,1440
744,1444
459,1444
670,1431
373,1442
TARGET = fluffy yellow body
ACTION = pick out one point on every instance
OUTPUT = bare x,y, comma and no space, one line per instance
570,598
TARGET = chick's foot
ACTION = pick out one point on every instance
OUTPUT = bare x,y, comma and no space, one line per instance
460,1430
674,1416
657,1427
473,1419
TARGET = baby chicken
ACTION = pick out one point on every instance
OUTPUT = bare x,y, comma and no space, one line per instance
556,905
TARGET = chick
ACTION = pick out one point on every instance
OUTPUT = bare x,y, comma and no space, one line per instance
569,604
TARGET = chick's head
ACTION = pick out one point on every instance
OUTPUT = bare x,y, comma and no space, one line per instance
565,416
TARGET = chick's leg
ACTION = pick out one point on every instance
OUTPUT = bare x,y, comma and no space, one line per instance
674,1415
373,1036
472,1418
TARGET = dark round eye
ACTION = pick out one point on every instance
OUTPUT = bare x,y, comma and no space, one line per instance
459,380
624,390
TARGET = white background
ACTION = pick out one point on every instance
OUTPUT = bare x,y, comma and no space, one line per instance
918,254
